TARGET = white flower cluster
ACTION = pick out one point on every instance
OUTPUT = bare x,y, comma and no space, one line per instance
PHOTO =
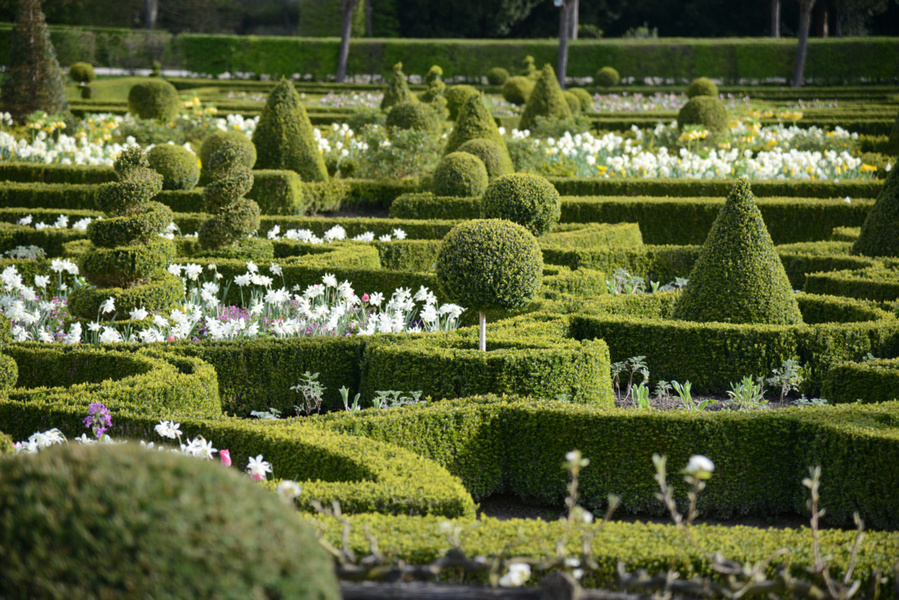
335,234
62,222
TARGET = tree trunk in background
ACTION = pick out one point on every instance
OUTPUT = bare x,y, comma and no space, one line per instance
346,29
573,20
368,27
775,18
152,11
805,20
564,20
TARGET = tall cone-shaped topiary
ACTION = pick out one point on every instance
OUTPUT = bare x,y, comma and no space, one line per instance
738,277
129,258
33,80
397,90
546,100
284,137
880,232
476,122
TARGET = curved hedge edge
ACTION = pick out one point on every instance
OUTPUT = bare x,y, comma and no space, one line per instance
868,382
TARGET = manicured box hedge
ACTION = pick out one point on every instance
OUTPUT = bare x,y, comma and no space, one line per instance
875,282
869,381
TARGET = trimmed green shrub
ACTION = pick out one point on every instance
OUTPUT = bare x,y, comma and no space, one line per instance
528,69
9,372
491,154
893,141
284,138
738,277
214,143
434,94
457,96
869,382
584,98
703,110
165,509
607,77
397,91
161,290
547,100
702,86
155,99
82,72
32,80
523,198
179,167
518,89
574,103
414,115
476,122
140,228
460,174
497,76
879,235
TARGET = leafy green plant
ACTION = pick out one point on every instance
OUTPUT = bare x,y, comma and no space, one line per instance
747,395
787,377
683,391
641,395
663,390
623,282
394,398
312,391
345,396
633,365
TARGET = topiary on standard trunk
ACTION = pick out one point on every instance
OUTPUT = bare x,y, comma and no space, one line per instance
738,277
489,264
880,232
476,122
284,137
547,100
33,80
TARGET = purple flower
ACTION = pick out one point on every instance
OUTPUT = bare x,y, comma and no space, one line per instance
98,419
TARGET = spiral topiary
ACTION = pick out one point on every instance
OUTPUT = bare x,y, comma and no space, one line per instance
702,86
414,115
703,110
82,72
434,95
457,96
154,99
397,90
476,122
518,89
284,137
9,371
491,154
880,232
584,97
607,77
523,198
738,277
214,143
528,69
137,523
460,174
546,100
497,76
489,264
179,167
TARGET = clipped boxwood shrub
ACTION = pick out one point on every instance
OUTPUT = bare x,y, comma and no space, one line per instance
607,77
178,166
547,100
497,76
584,98
155,99
524,198
167,508
162,290
214,143
574,103
702,86
879,235
495,159
869,382
476,122
703,110
397,91
414,115
518,89
82,72
460,174
457,96
9,372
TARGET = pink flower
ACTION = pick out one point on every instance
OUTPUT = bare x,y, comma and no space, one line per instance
225,457
258,477
170,339
365,297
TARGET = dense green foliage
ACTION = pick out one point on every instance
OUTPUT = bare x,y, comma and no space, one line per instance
607,77
9,371
476,122
460,174
214,143
414,115
456,97
179,167
284,138
518,89
703,110
523,198
702,86
397,91
434,95
738,277
82,72
880,232
547,100
491,154
497,76
584,98
154,99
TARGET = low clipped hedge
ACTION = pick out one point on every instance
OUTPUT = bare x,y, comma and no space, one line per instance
869,381
615,186
874,282
51,241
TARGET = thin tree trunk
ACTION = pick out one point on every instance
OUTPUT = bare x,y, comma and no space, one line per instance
562,67
346,30
775,18
573,19
805,19
368,26
482,331
152,9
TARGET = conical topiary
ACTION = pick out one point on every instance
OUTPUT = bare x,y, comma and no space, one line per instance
738,277
33,80
476,122
397,90
880,232
546,100
284,137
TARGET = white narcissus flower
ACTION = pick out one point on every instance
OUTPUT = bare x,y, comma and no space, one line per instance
257,467
108,306
329,280
517,574
168,429
193,271
41,281
700,466
139,314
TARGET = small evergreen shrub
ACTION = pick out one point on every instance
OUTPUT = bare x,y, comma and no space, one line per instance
491,154
284,137
546,100
518,89
523,198
703,110
607,77
476,122
528,69
457,96
702,86
574,103
192,526
215,142
179,167
460,174
397,91
738,276
880,232
584,97
9,373
414,115
82,72
154,99
497,76
434,95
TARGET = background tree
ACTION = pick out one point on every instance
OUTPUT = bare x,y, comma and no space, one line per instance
805,21
346,30
567,17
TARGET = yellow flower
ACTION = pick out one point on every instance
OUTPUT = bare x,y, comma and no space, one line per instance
866,168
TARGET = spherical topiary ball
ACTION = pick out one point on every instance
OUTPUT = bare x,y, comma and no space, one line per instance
523,198
82,72
460,174
497,76
703,110
489,263
495,160
584,97
155,99
216,142
702,86
518,89
120,521
179,167
607,77
414,115
456,97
